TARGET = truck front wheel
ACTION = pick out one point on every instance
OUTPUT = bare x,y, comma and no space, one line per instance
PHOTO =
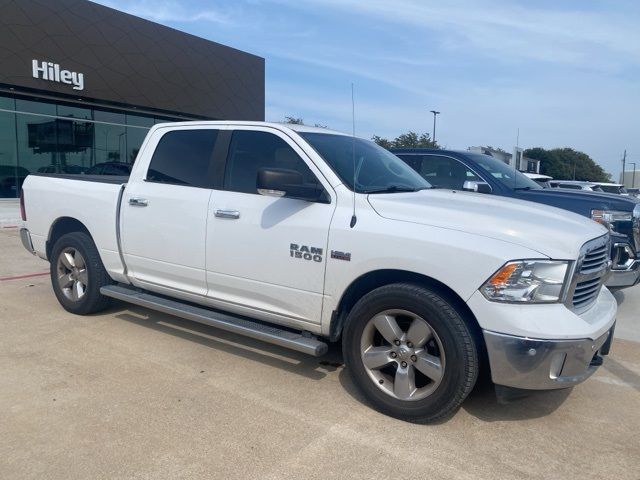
77,274
410,352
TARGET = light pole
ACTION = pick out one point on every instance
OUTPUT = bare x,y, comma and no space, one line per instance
633,176
433,137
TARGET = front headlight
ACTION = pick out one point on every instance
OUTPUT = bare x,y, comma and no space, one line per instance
609,218
527,281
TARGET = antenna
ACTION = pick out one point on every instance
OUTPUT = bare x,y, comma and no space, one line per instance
515,160
353,155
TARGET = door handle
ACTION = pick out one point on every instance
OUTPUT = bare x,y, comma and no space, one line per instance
138,202
233,214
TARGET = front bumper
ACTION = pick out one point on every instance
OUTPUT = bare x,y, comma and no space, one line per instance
25,237
625,264
625,278
535,364
626,267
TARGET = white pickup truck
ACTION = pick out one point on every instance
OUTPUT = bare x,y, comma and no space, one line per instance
301,236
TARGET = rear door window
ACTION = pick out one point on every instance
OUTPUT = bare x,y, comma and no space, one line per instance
184,157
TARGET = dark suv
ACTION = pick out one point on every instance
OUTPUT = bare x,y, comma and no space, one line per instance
460,170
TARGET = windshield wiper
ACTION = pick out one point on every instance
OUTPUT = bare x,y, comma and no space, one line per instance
393,189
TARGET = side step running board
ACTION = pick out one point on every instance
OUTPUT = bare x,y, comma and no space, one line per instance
223,321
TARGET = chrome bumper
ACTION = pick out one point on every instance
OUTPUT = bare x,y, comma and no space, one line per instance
25,237
628,277
531,364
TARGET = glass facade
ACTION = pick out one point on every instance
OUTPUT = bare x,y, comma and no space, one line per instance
55,137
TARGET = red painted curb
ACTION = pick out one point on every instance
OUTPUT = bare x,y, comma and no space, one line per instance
19,277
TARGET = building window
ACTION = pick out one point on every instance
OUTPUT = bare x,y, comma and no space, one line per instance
11,176
55,137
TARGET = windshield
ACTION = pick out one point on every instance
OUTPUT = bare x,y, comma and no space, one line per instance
503,173
613,189
376,170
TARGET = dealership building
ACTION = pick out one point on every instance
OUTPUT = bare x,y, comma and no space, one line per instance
81,84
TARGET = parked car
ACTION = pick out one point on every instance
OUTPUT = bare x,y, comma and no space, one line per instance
543,180
633,192
11,179
301,236
576,185
110,168
616,188
70,169
462,170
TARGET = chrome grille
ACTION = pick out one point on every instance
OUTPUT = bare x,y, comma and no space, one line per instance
595,259
592,270
586,292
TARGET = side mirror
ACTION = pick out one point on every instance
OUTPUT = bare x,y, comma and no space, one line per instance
475,186
281,182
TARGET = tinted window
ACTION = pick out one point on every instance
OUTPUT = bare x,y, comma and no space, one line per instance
363,163
570,187
504,173
183,157
250,151
441,172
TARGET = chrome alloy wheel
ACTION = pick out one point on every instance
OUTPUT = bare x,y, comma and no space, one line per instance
402,354
72,274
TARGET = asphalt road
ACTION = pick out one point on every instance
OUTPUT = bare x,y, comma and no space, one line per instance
131,393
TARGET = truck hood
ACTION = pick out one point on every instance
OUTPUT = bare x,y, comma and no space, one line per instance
588,200
553,232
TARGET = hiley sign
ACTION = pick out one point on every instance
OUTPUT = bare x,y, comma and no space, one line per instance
52,72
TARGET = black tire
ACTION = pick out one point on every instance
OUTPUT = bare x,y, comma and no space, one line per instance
460,370
91,301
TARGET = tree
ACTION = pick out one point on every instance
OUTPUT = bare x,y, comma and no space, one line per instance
293,120
568,164
300,121
383,142
407,140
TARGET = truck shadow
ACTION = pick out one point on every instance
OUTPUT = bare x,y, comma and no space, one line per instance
245,347
619,296
483,404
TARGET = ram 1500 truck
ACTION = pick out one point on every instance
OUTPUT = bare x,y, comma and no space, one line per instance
301,236
462,170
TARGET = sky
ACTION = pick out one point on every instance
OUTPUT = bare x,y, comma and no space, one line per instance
562,73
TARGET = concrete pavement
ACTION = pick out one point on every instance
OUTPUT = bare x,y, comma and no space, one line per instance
9,213
132,393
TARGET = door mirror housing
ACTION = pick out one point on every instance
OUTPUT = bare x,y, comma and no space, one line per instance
282,182
475,186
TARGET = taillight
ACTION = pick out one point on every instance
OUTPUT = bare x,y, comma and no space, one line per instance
23,212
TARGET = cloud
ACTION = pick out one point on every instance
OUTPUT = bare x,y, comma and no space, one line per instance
168,11
507,31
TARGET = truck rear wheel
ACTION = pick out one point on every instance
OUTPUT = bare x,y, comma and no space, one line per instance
77,274
410,352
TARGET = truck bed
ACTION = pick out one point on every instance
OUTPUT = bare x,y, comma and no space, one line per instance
92,200
116,179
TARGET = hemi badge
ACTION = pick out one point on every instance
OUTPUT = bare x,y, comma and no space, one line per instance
341,255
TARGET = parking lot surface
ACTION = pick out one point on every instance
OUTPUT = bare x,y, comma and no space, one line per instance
131,393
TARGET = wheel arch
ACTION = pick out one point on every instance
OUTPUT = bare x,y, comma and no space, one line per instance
61,226
378,278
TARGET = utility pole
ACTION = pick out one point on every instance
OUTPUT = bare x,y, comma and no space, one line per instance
633,176
433,136
624,161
